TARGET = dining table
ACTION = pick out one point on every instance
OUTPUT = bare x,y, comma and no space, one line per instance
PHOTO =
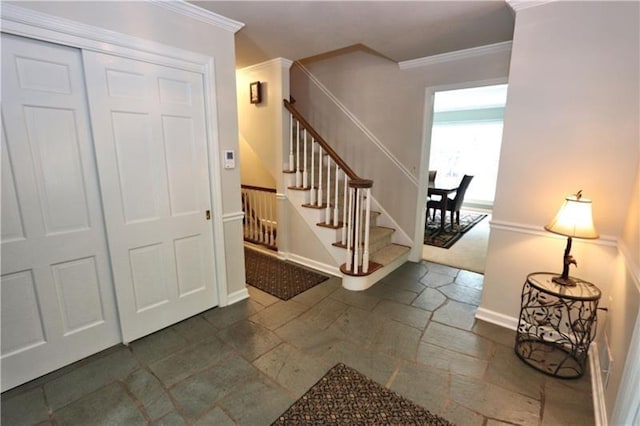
443,191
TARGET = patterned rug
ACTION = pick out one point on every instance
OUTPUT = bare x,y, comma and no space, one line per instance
277,277
346,397
433,236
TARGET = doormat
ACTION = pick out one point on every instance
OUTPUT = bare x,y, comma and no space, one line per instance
277,277
445,239
344,396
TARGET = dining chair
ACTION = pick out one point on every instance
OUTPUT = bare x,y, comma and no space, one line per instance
432,177
432,183
453,204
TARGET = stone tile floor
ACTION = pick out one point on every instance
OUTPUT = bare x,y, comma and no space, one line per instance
413,332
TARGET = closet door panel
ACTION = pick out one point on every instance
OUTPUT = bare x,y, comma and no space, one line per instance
151,146
57,294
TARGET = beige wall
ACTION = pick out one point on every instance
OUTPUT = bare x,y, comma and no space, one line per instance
390,103
624,306
264,145
149,21
253,171
260,124
571,123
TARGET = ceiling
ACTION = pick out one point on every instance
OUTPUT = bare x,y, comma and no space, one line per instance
398,30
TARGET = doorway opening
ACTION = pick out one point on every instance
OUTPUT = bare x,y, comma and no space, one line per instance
466,136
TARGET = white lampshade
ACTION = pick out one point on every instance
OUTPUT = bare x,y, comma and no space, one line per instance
574,219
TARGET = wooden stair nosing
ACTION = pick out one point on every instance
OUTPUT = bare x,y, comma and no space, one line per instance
330,225
315,206
372,268
299,188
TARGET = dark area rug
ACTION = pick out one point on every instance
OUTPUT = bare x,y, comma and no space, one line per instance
434,237
344,396
277,277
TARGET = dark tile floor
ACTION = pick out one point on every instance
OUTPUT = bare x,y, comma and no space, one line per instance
414,332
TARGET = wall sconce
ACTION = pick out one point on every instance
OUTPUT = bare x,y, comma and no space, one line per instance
255,92
573,220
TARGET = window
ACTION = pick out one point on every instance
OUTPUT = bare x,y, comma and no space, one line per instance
466,139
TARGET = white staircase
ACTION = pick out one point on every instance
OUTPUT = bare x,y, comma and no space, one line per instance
337,206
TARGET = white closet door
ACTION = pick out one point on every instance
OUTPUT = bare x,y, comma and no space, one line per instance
57,295
151,148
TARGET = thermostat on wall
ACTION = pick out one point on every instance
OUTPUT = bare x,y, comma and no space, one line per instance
229,159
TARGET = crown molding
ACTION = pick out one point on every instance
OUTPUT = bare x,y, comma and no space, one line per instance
517,5
55,29
192,11
473,52
282,62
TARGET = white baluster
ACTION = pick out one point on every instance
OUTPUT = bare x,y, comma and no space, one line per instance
304,170
244,210
272,236
254,209
319,201
291,142
312,201
349,231
327,210
356,233
251,215
344,212
298,171
335,202
367,219
263,208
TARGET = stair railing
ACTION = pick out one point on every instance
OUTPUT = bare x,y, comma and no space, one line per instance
350,212
260,221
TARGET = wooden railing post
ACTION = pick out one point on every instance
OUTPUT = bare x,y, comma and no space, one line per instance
349,262
291,160
367,225
319,201
304,162
327,210
297,169
312,199
343,235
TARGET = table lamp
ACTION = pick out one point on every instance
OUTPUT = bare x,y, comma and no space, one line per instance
573,220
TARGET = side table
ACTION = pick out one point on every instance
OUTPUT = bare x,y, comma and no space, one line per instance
557,324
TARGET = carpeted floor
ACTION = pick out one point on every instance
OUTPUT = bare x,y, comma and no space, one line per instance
344,396
445,239
277,277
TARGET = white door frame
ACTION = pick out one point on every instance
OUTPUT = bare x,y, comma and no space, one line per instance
423,176
41,26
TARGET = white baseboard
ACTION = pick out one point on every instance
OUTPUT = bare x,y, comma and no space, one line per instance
237,296
597,388
313,264
497,318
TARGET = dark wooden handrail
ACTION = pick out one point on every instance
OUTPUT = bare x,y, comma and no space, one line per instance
355,181
259,188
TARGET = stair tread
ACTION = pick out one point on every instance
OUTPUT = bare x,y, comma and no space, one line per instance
380,231
389,253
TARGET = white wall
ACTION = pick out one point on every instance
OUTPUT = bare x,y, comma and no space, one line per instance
571,123
389,102
149,21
